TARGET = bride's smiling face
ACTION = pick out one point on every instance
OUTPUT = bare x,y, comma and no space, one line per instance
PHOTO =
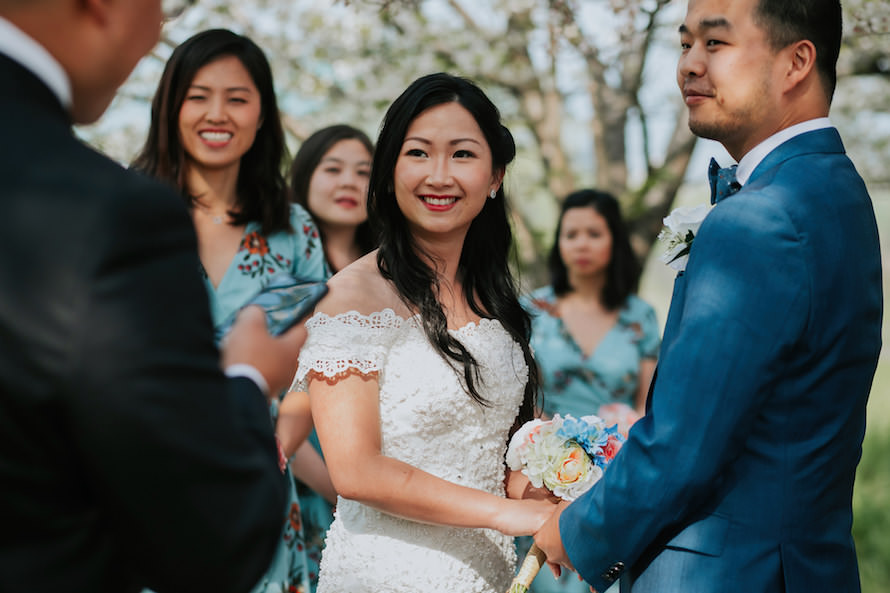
444,171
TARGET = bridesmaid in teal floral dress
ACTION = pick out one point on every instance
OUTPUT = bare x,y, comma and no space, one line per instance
258,259
594,340
580,383
216,134
328,177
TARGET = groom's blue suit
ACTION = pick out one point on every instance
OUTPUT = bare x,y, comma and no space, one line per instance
740,476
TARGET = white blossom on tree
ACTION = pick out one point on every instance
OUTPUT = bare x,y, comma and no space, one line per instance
587,87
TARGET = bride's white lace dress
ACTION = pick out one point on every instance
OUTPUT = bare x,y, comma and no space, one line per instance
427,420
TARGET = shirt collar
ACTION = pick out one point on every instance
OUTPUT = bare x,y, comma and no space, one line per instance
21,48
753,157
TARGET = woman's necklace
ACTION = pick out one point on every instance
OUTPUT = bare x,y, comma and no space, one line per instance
215,218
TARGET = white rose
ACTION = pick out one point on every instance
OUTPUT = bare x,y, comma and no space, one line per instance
519,443
686,218
681,225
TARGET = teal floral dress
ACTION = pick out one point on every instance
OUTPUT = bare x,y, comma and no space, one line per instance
259,258
579,385
317,514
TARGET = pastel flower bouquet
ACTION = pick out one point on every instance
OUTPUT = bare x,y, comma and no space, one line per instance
565,455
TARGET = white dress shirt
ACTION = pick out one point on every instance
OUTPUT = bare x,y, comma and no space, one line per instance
18,46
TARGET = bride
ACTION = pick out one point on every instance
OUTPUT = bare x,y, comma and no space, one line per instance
418,364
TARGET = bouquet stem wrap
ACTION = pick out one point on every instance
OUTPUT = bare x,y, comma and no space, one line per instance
532,564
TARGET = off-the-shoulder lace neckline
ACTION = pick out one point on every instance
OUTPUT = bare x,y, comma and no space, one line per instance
388,316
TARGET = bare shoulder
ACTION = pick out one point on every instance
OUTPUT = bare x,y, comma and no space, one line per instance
361,288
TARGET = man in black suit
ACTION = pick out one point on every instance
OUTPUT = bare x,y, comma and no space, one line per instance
127,458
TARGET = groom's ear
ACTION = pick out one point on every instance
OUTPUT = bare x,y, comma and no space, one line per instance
99,12
799,59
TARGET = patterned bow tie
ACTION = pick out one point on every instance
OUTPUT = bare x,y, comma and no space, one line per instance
723,181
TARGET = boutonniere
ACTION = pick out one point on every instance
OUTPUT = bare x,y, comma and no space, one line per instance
680,227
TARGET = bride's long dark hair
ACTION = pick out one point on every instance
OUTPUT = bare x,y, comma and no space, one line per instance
484,269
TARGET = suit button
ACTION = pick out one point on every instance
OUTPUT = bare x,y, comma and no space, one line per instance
614,571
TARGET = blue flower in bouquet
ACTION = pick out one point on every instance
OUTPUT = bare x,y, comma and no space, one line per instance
607,450
588,431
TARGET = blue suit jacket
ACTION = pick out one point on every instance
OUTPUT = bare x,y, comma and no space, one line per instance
740,476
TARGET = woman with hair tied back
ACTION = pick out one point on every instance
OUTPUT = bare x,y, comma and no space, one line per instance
216,135
595,341
418,365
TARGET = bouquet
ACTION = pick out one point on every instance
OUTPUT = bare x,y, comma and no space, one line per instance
565,455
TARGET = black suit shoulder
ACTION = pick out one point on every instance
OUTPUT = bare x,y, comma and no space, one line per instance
128,458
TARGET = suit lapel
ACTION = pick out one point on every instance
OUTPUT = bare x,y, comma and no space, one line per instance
675,315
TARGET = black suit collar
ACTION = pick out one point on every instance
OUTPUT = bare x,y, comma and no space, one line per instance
21,86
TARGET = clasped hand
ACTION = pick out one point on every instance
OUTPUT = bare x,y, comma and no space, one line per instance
547,535
549,541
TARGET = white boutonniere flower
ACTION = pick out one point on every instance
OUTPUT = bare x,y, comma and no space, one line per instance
681,225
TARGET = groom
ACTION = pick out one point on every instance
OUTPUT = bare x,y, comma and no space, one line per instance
740,476
127,458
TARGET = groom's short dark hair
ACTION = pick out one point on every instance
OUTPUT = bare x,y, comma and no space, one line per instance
819,21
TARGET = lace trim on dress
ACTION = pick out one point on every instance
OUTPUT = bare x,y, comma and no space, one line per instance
365,339
333,380
361,337
385,319
336,367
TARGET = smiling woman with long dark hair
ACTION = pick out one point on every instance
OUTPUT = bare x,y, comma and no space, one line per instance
216,136
418,364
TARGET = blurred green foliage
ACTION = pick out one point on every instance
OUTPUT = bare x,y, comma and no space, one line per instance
871,495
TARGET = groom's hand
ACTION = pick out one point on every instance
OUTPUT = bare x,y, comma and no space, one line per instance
249,342
548,539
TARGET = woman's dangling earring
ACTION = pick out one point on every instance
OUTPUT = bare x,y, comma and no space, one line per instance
493,194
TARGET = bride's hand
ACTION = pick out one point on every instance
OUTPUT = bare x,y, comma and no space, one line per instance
518,486
522,517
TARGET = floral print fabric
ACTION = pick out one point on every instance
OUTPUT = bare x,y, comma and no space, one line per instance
258,259
576,384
